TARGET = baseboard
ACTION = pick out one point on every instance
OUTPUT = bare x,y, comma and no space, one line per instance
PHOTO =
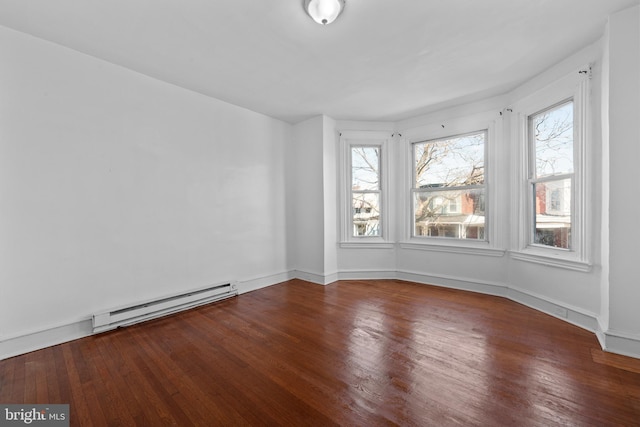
454,282
46,338
557,309
331,277
317,278
602,339
256,283
367,274
621,343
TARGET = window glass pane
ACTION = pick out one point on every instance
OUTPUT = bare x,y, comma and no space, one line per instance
366,214
552,217
552,133
451,162
455,214
365,168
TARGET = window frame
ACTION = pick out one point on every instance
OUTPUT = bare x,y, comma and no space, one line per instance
349,140
572,87
414,190
492,245
534,180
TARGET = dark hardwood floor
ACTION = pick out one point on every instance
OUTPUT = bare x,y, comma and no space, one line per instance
354,353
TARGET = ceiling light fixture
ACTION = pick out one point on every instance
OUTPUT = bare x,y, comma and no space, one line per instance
324,11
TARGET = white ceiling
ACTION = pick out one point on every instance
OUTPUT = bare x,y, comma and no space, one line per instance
381,60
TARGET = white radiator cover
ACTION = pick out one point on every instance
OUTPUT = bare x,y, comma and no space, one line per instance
125,316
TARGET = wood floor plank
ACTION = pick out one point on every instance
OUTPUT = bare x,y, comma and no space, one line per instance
63,380
51,383
117,351
18,384
371,353
80,411
7,371
152,408
206,401
116,409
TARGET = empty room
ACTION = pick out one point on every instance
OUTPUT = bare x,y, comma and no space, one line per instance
319,212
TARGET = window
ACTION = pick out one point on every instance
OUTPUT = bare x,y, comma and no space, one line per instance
550,215
364,177
449,187
551,175
365,190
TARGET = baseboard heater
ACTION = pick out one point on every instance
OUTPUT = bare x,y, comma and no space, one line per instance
126,316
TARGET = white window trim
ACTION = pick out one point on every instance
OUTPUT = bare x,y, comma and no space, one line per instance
573,86
491,246
350,139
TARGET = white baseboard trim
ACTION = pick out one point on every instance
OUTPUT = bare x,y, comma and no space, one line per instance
621,343
454,282
256,283
317,278
46,338
367,274
602,339
331,277
574,315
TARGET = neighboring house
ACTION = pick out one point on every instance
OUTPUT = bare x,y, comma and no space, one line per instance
553,214
366,214
459,216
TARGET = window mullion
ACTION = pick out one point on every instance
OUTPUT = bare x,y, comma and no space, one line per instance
551,178
456,188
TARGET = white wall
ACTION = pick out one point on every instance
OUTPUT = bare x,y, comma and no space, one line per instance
117,188
307,189
624,158
330,198
313,189
603,317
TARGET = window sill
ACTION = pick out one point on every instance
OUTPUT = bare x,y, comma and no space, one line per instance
554,259
482,249
367,245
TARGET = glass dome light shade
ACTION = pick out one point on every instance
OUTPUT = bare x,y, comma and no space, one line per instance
324,11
